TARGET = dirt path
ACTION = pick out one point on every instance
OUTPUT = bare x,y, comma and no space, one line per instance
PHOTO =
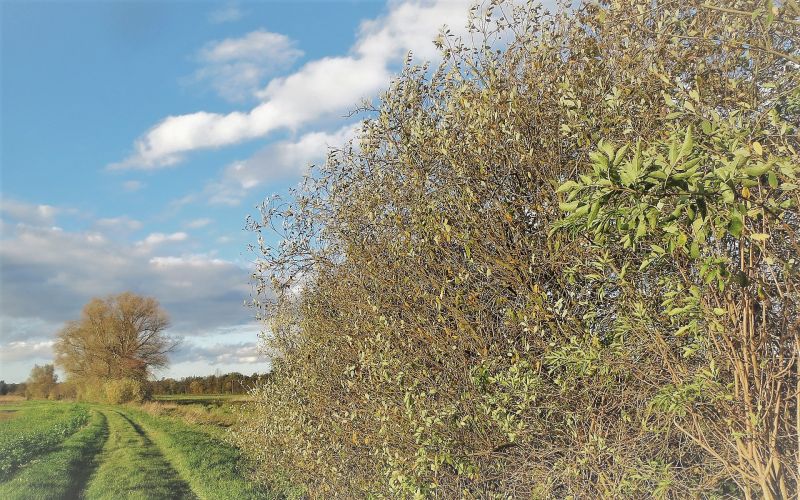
90,460
132,467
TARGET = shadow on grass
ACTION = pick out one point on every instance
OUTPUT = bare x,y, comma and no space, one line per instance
89,461
132,466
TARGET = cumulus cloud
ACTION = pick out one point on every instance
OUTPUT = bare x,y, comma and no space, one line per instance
319,88
23,350
48,275
236,67
226,348
220,353
28,213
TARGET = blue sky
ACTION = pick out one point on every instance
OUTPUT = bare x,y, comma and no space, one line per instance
137,136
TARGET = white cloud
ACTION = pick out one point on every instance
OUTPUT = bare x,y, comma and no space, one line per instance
411,26
65,269
222,353
257,46
187,261
132,186
198,223
28,213
154,239
318,89
20,350
279,160
236,67
226,14
123,223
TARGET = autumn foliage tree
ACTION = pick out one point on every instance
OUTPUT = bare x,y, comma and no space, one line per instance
564,263
120,337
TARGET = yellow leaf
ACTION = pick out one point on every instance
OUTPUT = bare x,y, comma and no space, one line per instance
757,148
759,236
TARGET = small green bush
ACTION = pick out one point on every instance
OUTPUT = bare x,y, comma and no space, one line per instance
124,390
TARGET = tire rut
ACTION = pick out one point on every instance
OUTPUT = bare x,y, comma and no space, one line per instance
84,472
132,466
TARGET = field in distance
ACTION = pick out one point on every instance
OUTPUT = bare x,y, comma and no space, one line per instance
206,399
175,449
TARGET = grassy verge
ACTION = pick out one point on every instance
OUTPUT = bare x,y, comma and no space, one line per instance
213,468
131,466
62,473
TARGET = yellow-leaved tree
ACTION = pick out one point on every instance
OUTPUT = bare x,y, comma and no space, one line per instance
110,351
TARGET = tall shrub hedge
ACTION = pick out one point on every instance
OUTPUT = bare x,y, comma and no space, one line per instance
563,262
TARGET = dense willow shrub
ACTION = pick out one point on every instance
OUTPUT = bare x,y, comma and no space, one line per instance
565,267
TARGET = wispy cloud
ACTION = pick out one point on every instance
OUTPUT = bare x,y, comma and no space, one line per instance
198,223
318,89
154,239
280,160
227,14
236,67
122,223
132,186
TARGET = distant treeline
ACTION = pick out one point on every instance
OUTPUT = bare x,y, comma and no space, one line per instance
6,388
229,383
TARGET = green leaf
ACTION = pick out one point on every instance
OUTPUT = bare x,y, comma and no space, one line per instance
720,311
757,171
628,174
594,210
772,179
688,144
568,207
620,154
694,250
735,225
567,186
759,236
727,194
641,229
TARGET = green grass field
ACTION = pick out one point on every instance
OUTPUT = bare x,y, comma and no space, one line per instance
51,450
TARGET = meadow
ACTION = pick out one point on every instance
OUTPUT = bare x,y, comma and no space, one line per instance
54,449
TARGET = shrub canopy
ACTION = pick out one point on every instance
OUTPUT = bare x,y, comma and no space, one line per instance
564,262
